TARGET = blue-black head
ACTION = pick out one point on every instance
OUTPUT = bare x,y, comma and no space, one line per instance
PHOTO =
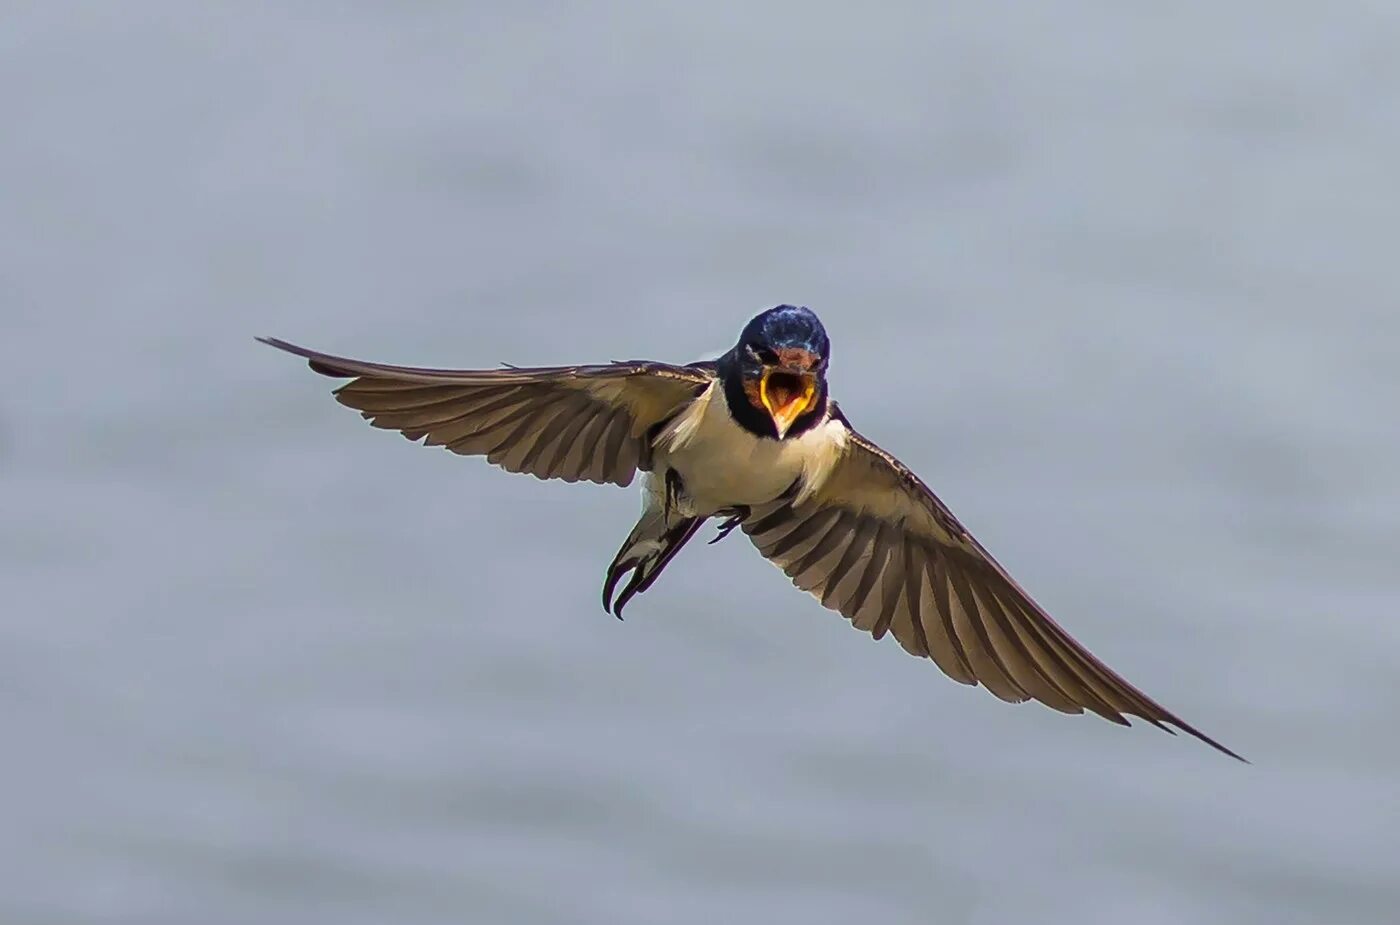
775,377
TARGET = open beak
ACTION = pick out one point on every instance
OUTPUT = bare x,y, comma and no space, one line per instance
786,393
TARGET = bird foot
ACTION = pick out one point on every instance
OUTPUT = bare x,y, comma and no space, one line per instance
620,567
736,517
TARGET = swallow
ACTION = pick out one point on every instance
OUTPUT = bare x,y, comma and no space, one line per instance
754,440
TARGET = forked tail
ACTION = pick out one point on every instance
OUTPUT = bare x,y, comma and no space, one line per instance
651,544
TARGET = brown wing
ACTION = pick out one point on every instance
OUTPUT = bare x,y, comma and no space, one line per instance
875,544
564,422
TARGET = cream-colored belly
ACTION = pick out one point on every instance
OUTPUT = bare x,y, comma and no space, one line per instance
722,465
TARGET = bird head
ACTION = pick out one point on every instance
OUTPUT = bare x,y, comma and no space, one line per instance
780,365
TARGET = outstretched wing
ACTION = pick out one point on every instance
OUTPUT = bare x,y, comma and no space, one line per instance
875,544
564,422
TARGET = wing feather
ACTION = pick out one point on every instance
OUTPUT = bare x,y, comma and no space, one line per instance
937,615
566,422
875,544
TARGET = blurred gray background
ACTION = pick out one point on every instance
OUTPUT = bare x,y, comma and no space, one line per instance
1120,283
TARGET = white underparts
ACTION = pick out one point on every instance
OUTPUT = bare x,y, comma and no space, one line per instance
722,465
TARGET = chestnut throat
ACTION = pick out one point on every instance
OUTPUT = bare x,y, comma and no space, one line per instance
756,420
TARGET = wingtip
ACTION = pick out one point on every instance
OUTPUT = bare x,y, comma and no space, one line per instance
280,344
283,344
1233,754
319,362
1191,730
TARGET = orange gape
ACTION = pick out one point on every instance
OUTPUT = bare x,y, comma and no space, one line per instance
786,396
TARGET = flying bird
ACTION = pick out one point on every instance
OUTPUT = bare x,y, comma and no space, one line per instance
754,440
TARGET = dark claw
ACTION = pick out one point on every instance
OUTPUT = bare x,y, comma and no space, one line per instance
726,528
628,591
645,567
614,576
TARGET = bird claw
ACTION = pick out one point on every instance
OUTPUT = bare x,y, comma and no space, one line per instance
735,519
628,590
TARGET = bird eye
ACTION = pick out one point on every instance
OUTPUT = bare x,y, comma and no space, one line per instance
762,355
